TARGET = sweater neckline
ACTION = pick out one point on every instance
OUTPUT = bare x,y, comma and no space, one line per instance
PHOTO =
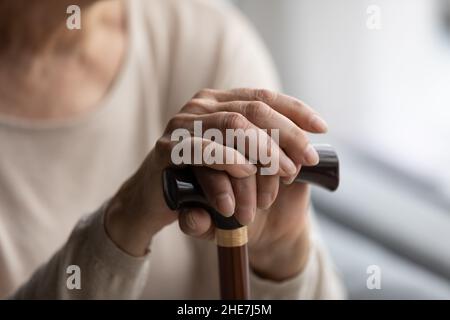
101,108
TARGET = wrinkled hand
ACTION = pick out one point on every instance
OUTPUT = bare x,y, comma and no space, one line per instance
276,213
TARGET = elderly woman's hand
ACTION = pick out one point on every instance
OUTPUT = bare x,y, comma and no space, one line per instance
278,228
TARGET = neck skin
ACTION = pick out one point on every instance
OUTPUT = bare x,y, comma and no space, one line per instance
50,72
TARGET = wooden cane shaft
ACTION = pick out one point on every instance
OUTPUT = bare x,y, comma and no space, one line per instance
233,264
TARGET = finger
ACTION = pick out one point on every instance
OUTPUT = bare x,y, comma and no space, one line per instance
290,180
303,115
196,222
267,188
191,151
206,93
292,138
245,196
247,138
218,190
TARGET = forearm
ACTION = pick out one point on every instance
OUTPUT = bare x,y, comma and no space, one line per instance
105,271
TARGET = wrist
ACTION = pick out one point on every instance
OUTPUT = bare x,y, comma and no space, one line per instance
131,220
283,259
122,229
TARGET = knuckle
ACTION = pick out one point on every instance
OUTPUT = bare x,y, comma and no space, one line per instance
195,105
204,93
162,147
298,104
244,188
218,192
258,110
299,135
220,186
234,120
297,107
265,95
214,184
176,122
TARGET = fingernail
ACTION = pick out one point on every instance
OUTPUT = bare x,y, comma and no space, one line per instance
265,200
289,167
318,124
289,180
311,156
225,204
190,221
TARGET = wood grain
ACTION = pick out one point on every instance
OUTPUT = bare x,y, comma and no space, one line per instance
234,272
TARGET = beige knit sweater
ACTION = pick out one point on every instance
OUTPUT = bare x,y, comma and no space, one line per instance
55,176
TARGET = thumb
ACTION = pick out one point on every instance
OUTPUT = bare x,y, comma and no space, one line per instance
197,223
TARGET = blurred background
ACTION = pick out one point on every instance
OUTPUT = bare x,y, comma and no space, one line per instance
385,91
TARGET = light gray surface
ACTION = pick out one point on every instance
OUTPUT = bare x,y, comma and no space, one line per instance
379,205
400,279
375,219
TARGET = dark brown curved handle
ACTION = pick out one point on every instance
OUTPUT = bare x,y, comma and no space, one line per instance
326,173
181,189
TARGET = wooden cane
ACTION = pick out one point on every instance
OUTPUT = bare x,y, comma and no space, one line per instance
181,190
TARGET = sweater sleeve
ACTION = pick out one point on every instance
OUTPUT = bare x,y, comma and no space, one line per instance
88,266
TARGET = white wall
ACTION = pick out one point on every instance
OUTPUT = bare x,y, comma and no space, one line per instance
385,90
